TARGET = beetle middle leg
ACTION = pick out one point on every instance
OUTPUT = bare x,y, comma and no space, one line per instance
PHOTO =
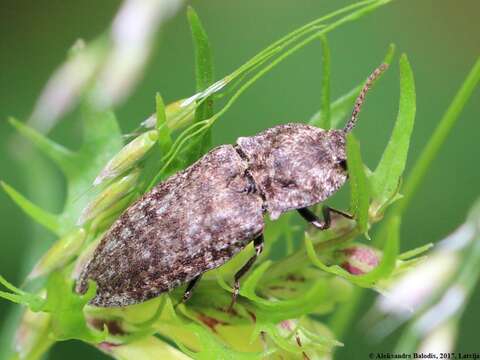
258,244
313,219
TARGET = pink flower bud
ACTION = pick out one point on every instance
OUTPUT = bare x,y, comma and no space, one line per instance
359,259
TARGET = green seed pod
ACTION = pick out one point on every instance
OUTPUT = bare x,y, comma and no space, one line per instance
63,251
104,220
128,156
109,196
177,115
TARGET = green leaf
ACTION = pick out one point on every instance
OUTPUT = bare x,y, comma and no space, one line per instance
56,152
46,219
437,139
19,296
428,154
203,53
250,283
415,252
203,74
384,181
326,68
360,193
164,133
66,307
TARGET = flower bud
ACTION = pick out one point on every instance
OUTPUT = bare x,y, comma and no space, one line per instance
109,196
128,156
32,334
143,349
359,259
440,339
62,252
177,115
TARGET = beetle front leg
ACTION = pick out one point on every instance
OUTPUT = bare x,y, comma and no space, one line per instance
258,244
315,221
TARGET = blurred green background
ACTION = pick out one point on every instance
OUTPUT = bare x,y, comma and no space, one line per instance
441,38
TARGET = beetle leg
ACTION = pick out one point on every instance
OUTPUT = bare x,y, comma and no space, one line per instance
340,212
258,244
315,221
190,287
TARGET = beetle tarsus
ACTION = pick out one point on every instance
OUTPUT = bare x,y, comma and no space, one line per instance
313,219
258,244
189,290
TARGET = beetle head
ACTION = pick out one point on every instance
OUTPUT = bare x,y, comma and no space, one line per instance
297,165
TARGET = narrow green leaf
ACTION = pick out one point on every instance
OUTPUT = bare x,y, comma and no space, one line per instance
440,134
41,216
326,68
56,152
384,181
164,133
19,296
360,193
203,74
415,252
203,52
250,283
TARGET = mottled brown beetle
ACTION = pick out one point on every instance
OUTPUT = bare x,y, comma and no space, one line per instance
201,217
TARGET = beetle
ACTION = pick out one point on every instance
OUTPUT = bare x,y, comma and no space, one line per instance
201,217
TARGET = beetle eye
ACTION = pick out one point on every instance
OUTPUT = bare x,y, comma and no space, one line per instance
343,164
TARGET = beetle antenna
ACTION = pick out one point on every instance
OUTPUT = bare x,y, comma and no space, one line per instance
361,97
